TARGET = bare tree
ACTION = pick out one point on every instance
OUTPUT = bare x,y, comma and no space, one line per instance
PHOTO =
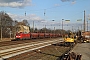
5,23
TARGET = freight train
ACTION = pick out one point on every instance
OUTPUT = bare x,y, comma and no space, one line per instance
22,36
23,32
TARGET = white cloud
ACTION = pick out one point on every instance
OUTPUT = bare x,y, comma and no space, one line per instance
57,5
28,17
65,0
40,23
34,17
15,3
43,21
73,2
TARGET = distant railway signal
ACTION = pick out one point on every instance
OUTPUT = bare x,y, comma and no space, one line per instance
53,20
79,20
67,20
44,12
25,13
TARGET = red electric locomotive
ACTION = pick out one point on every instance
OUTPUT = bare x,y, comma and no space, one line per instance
22,36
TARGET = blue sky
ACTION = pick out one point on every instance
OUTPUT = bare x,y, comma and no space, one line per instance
54,10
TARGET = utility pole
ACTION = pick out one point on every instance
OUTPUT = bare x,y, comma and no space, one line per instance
44,12
62,24
62,28
87,26
1,28
33,26
25,13
45,28
54,30
44,18
1,23
72,28
78,31
84,21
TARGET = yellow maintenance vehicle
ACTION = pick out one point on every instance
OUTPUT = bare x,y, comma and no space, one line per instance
70,39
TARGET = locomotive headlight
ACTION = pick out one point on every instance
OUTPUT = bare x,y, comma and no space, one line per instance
16,36
19,36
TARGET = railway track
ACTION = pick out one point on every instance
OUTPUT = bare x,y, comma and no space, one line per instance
52,52
13,50
9,43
